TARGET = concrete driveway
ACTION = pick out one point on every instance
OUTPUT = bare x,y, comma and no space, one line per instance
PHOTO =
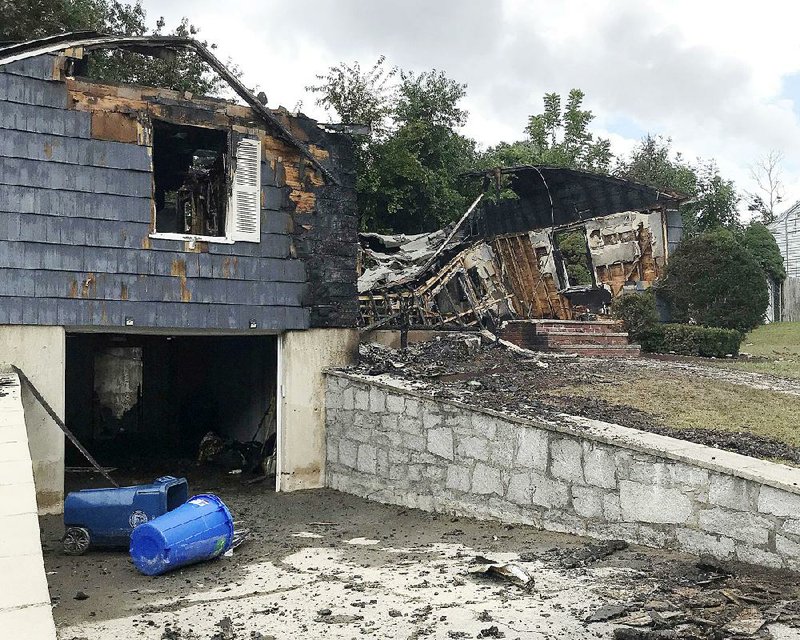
321,564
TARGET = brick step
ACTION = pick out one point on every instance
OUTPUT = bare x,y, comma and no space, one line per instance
598,350
527,327
582,327
567,338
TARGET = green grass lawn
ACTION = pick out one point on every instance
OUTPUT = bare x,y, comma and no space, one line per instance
695,402
692,401
777,347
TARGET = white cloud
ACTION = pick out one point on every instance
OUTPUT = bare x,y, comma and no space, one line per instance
708,74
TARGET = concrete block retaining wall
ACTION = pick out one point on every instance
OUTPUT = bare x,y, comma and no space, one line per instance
575,475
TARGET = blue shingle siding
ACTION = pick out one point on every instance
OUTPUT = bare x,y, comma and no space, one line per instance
40,67
23,90
37,119
57,176
73,204
94,153
75,216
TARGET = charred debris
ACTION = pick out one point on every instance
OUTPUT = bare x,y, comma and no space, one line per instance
504,260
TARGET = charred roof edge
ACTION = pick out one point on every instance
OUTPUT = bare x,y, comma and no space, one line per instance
94,40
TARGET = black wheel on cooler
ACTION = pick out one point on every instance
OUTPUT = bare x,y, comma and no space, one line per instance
76,541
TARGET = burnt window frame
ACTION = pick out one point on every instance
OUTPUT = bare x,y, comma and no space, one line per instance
229,225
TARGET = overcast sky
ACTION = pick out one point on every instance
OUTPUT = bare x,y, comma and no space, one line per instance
722,78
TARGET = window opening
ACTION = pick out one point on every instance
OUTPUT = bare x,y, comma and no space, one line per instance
190,169
575,256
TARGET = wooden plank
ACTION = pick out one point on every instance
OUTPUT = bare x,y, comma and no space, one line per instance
119,127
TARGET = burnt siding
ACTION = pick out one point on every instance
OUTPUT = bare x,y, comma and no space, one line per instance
327,239
74,225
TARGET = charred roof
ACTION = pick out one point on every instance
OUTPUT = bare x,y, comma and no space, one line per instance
557,197
158,46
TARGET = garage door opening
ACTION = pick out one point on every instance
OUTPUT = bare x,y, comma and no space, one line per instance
170,403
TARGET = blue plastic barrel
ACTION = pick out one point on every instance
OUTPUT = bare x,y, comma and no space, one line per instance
200,529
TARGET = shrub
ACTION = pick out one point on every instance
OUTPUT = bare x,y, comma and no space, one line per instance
691,340
637,312
713,280
761,244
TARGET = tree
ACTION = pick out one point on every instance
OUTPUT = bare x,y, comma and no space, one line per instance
28,19
761,244
409,165
359,97
556,137
653,163
414,185
572,245
713,201
185,71
766,174
713,280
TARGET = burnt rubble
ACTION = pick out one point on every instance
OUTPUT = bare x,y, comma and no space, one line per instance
476,370
503,260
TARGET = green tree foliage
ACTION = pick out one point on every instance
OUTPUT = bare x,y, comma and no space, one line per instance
556,137
357,96
652,162
28,19
415,186
409,166
713,280
572,245
761,244
714,199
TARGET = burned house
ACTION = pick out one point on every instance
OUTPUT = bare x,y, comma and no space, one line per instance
170,264
505,259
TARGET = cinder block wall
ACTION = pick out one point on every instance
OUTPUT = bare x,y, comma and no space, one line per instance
577,476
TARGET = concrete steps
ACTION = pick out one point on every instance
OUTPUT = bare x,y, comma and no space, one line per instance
590,338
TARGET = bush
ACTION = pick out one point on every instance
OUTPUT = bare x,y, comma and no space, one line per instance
691,340
761,244
637,312
714,281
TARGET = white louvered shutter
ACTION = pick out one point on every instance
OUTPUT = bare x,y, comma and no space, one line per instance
246,197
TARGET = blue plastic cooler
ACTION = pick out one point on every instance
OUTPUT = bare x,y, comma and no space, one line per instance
200,529
106,517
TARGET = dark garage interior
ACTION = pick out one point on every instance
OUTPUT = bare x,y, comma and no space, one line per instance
138,401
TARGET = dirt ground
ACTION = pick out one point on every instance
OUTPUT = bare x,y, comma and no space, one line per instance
689,398
322,564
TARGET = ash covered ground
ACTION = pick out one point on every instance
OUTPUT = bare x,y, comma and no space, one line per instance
321,564
474,370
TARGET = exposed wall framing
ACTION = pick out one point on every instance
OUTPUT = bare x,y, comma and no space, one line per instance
477,282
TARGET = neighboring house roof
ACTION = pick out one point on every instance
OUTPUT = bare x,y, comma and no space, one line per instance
793,210
151,45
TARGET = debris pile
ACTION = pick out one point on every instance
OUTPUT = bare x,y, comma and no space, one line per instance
474,368
502,259
709,603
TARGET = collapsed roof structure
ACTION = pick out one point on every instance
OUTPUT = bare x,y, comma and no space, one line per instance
503,259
